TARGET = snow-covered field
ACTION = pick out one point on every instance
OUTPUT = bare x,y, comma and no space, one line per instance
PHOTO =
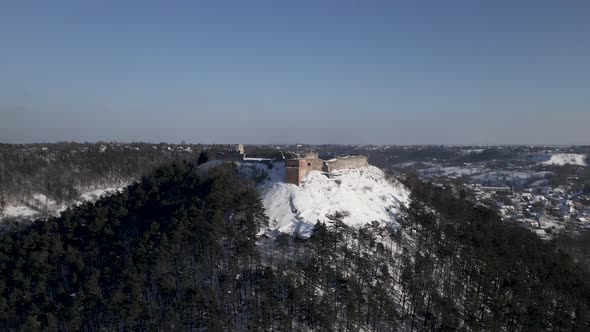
455,171
560,159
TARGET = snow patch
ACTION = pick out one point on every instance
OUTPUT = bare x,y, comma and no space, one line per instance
364,194
18,211
94,195
40,205
560,159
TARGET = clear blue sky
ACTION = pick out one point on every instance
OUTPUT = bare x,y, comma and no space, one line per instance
385,72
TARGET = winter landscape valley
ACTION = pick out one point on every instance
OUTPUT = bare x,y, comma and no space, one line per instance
338,246
309,165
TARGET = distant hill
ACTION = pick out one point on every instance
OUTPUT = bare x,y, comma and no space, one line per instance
41,180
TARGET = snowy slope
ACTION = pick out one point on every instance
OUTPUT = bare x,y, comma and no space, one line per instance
18,211
94,195
560,159
41,205
364,194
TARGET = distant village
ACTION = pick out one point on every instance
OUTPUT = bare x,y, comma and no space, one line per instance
544,210
523,190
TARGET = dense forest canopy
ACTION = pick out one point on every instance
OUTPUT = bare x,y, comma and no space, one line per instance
179,251
149,256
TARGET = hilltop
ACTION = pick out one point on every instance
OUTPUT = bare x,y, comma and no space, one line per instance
363,195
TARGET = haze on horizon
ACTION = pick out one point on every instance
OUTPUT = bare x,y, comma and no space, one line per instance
358,72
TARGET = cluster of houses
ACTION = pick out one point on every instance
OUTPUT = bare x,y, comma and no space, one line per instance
522,192
544,210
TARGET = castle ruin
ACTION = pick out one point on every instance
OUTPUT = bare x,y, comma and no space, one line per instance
296,169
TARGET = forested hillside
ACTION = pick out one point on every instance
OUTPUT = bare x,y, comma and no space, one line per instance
164,253
62,170
488,274
40,180
179,251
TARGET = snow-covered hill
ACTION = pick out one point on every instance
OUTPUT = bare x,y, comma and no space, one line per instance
560,159
363,194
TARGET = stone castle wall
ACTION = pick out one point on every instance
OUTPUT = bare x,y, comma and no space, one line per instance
313,164
296,169
346,162
293,171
